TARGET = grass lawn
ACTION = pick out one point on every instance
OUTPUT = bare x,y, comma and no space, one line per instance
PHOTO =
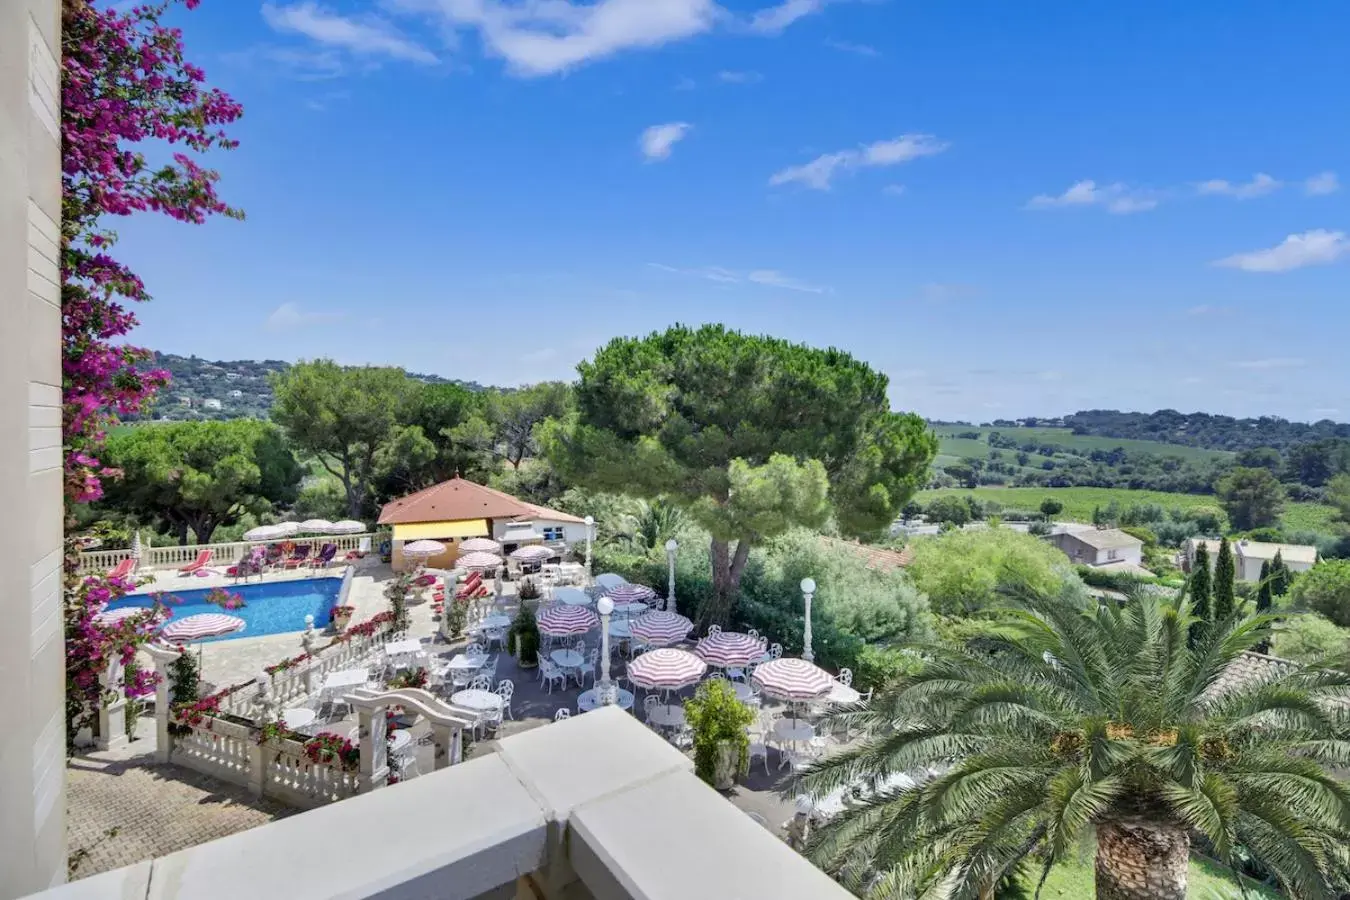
1080,501
1064,437
1208,881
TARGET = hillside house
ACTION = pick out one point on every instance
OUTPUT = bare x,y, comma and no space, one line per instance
1249,555
235,395
232,376
1100,547
212,403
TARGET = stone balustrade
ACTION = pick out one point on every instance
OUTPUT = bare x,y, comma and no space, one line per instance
595,806
175,556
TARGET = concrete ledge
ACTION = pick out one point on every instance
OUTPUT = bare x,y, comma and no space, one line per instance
676,838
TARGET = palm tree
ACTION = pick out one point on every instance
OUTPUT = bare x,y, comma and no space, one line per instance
651,523
1084,720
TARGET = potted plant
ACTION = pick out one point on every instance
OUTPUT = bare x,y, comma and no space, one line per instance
342,616
456,616
523,639
528,590
721,744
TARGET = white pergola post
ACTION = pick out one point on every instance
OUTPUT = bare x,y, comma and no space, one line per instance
590,528
606,692
808,591
671,547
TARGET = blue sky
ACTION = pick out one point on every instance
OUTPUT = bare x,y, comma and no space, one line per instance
1012,209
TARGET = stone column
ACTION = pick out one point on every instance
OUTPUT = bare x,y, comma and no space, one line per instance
112,713
32,693
449,744
374,748
163,659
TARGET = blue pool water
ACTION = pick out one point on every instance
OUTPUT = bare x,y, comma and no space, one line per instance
271,608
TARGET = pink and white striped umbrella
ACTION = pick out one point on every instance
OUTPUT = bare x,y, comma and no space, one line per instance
205,625
479,545
116,616
661,628
532,552
479,560
666,669
562,621
630,593
729,648
792,679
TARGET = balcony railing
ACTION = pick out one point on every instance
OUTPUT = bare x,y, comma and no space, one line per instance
175,556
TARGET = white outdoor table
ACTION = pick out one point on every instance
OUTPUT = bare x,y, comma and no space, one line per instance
589,700
666,716
630,609
620,630
566,659
400,741
573,597
405,647
743,691
495,622
347,678
842,694
298,718
477,700
464,661
785,731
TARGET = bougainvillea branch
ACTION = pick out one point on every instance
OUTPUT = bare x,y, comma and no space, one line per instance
124,85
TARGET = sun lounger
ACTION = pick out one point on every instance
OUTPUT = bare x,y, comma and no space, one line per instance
123,569
197,564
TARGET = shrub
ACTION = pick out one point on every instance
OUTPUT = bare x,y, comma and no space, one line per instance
964,571
1325,589
715,715
528,590
950,509
1308,636
875,666
523,639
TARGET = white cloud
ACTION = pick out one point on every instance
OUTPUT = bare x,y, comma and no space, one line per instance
764,277
365,36
818,173
850,47
1311,248
1116,198
776,18
733,77
1260,185
657,141
893,190
1324,183
290,315
544,37
1276,362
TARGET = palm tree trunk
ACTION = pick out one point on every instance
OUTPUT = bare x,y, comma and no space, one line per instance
1139,860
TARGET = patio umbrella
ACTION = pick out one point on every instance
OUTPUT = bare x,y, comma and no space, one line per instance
631,593
564,621
792,679
423,548
570,596
531,553
317,526
661,628
480,545
191,629
347,526
666,669
478,560
271,532
729,649
114,616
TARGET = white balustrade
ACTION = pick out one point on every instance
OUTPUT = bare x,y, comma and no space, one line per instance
176,556
291,777
218,748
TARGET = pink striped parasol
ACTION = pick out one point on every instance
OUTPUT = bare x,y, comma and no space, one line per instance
792,679
729,648
666,669
479,545
116,616
661,628
205,625
562,621
631,593
479,560
532,552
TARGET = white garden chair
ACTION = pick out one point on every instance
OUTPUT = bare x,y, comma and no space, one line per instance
561,714
506,689
551,673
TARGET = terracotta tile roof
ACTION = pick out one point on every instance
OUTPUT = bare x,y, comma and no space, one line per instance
553,515
878,558
458,499
1249,667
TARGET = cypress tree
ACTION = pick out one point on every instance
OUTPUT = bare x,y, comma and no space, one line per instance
1225,573
1264,600
1200,589
1280,576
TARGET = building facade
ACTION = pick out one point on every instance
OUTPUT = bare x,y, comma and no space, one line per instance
1100,547
32,655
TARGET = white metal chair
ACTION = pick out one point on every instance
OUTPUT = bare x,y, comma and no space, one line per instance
753,632
490,668
714,629
648,704
775,651
588,667
495,636
561,714
759,750
551,673
506,689
845,677
481,683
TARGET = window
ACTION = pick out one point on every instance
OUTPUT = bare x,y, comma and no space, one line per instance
554,533
1113,554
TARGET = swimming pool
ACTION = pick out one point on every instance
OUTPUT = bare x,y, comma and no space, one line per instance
273,608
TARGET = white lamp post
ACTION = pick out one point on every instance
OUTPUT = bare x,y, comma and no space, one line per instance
808,590
606,692
590,526
671,547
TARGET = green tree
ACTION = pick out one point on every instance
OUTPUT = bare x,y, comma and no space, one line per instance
963,473
516,414
200,475
950,509
1050,507
1070,720
1264,600
1280,576
1338,495
1200,588
751,435
966,571
1225,576
342,417
1253,498
1325,589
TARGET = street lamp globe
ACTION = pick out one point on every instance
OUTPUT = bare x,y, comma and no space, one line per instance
808,585
589,520
604,606
671,546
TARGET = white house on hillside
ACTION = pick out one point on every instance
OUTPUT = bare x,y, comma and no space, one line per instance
1100,547
1249,555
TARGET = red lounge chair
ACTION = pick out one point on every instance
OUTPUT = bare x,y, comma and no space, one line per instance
123,569
298,558
197,564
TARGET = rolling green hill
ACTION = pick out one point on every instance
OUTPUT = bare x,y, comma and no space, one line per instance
1080,444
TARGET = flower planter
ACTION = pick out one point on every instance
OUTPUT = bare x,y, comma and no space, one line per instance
724,769
341,621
